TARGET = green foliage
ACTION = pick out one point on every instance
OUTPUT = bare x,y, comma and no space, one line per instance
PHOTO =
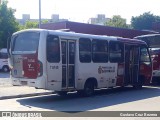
31,24
144,21
44,21
8,24
117,21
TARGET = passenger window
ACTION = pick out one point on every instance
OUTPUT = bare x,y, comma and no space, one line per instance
85,50
116,51
53,49
99,51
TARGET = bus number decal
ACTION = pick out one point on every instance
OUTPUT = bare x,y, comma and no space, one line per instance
54,67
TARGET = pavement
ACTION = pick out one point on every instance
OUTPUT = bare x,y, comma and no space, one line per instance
7,91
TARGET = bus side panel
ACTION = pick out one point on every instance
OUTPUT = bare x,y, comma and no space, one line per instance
54,75
104,73
41,82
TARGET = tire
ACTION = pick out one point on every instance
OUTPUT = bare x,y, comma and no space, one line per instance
61,93
5,69
88,89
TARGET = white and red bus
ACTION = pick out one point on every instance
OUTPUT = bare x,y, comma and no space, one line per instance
67,61
153,41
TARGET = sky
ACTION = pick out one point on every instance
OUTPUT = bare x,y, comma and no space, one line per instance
82,10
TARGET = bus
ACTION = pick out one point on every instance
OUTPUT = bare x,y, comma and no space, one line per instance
67,61
153,41
4,60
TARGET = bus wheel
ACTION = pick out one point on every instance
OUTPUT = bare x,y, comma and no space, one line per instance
61,93
5,69
88,89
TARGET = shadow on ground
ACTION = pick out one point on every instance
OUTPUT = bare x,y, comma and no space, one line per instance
103,98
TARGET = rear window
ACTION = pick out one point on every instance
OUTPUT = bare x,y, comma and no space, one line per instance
27,41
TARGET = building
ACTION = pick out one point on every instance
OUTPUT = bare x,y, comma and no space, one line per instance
100,20
26,17
55,17
94,29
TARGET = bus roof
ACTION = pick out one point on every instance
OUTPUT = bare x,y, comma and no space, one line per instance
148,35
78,35
153,40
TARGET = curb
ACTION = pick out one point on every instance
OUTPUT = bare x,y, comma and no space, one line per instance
25,95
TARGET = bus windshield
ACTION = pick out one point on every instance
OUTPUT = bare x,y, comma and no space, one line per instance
27,41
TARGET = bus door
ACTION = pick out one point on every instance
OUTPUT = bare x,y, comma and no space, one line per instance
132,56
68,63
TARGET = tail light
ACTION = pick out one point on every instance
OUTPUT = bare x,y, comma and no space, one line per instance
40,68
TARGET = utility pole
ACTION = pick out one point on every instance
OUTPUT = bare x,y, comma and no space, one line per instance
39,13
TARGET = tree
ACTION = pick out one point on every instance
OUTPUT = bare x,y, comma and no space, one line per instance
31,24
117,21
144,21
8,23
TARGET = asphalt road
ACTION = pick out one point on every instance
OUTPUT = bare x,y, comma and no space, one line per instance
5,79
119,99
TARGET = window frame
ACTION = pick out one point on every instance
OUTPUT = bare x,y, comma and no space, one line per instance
47,49
21,34
98,52
120,59
89,52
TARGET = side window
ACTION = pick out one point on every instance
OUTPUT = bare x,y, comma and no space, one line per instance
53,49
116,51
99,50
144,55
85,50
